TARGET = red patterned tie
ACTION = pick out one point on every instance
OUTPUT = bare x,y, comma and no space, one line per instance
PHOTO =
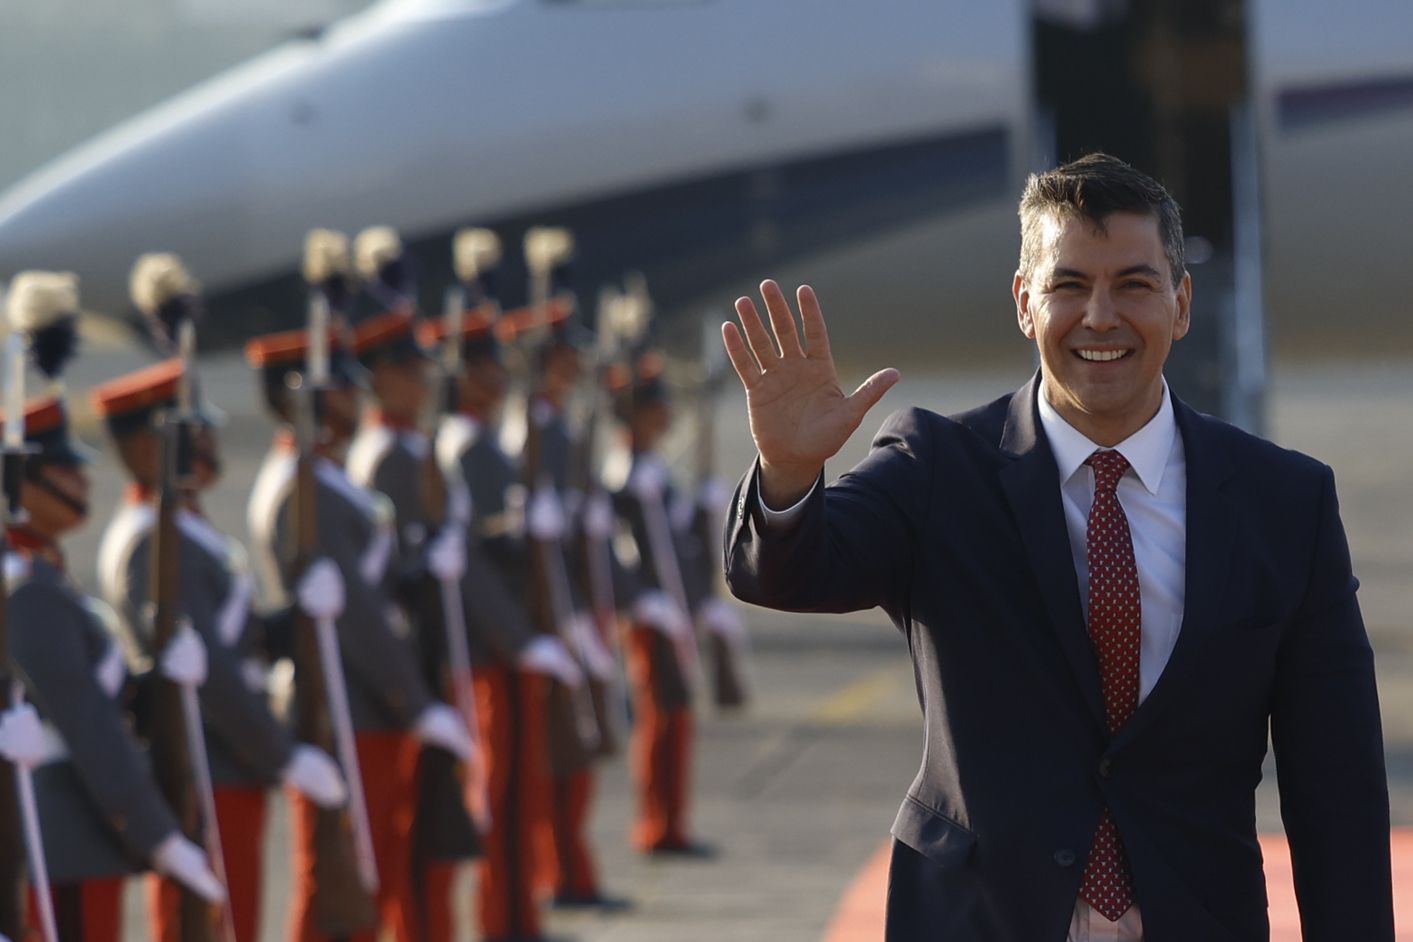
1115,623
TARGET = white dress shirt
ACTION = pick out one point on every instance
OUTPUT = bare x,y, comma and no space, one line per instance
1153,494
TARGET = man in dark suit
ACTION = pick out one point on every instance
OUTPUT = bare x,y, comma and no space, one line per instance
1109,599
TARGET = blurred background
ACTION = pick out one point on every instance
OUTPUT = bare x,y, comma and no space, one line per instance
875,150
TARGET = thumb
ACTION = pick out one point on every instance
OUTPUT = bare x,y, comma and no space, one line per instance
870,391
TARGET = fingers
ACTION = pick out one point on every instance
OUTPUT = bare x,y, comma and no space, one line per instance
756,334
782,319
871,390
741,359
816,337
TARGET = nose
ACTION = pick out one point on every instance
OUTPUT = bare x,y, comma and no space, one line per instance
1101,313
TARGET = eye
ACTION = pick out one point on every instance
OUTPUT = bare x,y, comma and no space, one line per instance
1137,286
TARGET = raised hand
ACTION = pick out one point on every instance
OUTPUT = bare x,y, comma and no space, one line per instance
799,416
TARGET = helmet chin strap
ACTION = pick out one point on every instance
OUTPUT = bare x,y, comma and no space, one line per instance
34,478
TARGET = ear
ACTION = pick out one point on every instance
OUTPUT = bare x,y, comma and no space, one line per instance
1020,291
1184,307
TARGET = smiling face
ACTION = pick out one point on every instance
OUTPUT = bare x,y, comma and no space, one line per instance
1103,310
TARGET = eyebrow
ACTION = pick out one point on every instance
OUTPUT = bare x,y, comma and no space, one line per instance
1141,269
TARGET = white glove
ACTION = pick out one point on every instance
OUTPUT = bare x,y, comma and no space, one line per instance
446,557
598,516
587,641
184,660
22,740
544,517
316,776
721,618
440,725
184,862
655,609
320,590
548,656
649,479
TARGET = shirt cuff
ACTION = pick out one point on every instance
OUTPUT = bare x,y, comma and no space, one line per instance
777,519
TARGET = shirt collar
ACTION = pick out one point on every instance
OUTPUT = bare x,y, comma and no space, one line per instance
1146,450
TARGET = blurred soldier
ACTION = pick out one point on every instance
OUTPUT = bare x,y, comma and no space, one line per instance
662,654
566,861
391,456
99,806
512,662
390,705
248,747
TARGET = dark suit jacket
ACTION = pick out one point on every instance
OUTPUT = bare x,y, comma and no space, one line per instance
954,527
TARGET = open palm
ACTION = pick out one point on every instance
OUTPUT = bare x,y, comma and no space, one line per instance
799,415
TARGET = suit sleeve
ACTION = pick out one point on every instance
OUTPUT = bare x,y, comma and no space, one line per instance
852,545
1328,742
232,711
47,644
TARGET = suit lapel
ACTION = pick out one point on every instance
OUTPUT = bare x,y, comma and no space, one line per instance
1209,545
1031,485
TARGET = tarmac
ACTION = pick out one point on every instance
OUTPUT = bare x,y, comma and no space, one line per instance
798,792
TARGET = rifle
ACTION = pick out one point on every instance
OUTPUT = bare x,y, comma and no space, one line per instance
573,719
438,506
345,873
19,814
178,736
637,318
727,660
594,538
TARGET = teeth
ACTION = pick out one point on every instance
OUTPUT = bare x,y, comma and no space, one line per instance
1102,356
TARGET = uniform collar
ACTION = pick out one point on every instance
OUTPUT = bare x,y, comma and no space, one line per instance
28,543
1146,450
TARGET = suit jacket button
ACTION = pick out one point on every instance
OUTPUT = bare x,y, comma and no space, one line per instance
1064,857
1105,764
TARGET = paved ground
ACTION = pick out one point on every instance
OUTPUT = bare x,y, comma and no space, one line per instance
799,792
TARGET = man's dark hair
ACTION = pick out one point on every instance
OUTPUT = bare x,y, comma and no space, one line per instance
1092,188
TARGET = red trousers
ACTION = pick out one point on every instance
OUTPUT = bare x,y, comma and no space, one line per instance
660,749
437,917
240,816
565,863
388,763
88,911
509,707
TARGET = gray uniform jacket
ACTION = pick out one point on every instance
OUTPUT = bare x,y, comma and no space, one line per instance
246,744
478,475
355,531
679,513
99,807
394,463
558,449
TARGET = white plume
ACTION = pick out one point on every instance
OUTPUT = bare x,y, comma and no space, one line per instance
547,247
157,278
474,251
374,247
325,255
37,299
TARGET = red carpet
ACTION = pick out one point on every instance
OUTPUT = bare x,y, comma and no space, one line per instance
859,917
